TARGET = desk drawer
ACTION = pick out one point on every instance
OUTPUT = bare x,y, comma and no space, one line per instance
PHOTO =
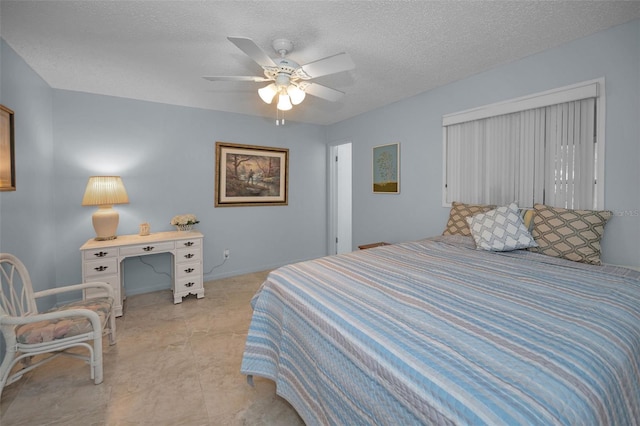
192,243
188,255
96,268
150,248
188,270
188,284
100,253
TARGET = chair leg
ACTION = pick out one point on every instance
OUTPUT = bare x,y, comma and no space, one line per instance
112,331
97,359
3,380
6,366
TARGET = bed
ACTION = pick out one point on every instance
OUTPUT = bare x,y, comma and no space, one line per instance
437,332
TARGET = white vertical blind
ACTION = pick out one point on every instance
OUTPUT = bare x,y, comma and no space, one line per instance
571,155
541,155
466,161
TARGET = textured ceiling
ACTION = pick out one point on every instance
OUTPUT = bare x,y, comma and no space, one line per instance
159,50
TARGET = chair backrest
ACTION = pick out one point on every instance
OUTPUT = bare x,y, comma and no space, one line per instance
16,293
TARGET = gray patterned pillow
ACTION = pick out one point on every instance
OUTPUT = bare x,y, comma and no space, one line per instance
569,234
501,229
457,224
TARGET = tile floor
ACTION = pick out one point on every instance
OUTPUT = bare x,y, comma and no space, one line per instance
172,365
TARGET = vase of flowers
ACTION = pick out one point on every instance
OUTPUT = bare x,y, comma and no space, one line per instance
184,222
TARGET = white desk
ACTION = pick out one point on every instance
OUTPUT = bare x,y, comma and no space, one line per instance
102,261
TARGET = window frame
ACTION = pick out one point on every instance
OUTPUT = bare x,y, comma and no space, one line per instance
591,88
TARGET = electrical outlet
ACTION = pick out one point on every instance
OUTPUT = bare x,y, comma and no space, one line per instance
225,254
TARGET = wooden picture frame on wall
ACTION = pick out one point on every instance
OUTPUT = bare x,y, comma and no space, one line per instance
250,175
386,169
7,150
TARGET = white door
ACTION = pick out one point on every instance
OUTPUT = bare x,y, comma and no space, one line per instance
340,199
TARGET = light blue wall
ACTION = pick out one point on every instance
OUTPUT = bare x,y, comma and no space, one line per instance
165,155
417,124
27,222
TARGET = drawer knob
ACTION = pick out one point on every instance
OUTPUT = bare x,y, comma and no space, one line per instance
101,268
101,254
188,243
189,270
189,256
148,248
189,284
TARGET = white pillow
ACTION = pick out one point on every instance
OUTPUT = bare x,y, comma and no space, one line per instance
501,229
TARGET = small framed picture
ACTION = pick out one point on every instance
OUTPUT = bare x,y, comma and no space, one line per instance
249,175
386,169
7,150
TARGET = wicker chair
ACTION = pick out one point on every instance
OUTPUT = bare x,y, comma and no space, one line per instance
32,338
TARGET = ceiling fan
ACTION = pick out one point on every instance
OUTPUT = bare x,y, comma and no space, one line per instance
289,80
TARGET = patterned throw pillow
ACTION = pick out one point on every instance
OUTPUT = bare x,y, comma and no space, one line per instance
569,234
501,229
457,224
527,218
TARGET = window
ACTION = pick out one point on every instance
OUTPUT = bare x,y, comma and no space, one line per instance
545,148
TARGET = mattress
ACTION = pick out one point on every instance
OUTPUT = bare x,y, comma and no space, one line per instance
436,332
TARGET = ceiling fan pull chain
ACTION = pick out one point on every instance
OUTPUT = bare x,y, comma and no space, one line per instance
279,121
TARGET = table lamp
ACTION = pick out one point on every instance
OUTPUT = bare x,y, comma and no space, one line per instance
104,192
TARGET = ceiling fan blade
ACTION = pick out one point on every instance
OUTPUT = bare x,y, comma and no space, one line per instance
321,91
235,78
329,65
252,50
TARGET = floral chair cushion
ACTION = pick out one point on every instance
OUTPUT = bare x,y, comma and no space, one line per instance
60,328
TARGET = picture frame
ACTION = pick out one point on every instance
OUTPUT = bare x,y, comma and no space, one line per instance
251,175
386,169
7,150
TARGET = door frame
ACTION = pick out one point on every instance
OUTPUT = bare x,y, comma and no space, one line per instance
332,198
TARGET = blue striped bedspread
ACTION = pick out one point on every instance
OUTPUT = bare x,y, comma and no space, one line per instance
435,332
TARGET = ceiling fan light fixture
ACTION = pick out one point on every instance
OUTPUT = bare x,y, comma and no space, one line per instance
289,80
284,103
296,95
267,93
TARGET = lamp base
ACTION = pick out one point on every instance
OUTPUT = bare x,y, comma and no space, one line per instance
105,222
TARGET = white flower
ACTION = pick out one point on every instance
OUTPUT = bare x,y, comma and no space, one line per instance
185,219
